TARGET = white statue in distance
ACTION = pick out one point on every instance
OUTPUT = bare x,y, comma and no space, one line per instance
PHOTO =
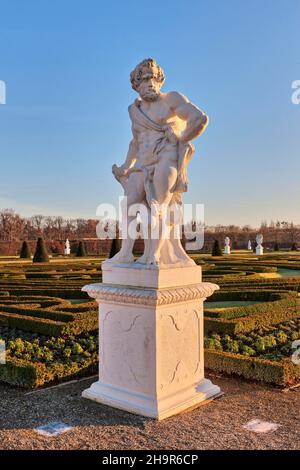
227,246
259,247
67,249
154,173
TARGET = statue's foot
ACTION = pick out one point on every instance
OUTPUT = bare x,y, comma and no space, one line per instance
148,259
142,259
120,258
153,260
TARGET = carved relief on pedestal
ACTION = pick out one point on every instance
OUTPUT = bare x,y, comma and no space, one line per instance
180,342
126,348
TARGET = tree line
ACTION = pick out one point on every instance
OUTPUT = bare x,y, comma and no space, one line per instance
55,230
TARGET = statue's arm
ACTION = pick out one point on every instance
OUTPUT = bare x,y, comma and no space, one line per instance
196,120
123,170
131,155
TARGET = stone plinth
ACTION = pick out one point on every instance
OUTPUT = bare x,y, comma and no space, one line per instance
259,251
137,275
151,340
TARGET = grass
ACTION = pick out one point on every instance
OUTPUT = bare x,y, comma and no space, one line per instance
223,305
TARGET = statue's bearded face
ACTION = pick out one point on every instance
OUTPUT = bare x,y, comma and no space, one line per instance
149,87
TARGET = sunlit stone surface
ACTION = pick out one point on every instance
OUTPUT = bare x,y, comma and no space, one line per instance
151,311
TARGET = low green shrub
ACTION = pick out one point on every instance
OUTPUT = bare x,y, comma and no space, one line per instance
32,375
32,360
25,252
275,302
251,322
41,255
81,250
47,326
278,373
216,249
274,341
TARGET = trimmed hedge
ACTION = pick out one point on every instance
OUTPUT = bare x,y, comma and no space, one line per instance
216,249
251,322
271,301
31,375
4,293
278,307
49,327
64,293
25,252
282,372
40,255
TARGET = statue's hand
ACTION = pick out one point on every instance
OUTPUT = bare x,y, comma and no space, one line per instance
119,171
181,185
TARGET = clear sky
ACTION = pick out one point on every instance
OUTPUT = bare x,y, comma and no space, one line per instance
66,65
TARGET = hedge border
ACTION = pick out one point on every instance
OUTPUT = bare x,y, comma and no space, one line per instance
281,373
32,375
250,323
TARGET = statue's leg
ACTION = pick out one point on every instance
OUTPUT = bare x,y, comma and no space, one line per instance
164,178
135,194
146,226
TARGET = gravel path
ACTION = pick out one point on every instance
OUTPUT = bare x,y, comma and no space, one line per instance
217,425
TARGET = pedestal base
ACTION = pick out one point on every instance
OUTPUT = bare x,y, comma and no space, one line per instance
145,405
151,340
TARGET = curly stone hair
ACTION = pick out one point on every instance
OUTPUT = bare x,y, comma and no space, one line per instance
146,65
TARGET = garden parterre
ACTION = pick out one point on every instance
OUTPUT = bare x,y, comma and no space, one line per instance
259,340
50,326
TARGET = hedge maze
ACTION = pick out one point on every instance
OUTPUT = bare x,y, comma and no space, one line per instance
50,327
255,338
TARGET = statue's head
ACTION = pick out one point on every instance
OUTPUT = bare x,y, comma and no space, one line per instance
147,79
259,238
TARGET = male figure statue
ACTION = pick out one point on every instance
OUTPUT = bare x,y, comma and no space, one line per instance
154,173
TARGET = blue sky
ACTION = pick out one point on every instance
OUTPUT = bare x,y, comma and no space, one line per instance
66,65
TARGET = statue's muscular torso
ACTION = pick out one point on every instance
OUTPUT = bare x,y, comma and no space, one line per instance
161,112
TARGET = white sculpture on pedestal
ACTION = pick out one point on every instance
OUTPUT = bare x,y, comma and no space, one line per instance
259,247
67,247
249,246
151,311
227,246
155,171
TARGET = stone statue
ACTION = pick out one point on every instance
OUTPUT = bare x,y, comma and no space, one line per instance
155,171
151,359
249,245
227,246
259,247
67,247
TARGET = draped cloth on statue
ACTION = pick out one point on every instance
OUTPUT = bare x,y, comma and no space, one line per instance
184,150
172,252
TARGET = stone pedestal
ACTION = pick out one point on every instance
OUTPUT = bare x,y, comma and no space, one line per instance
259,251
151,340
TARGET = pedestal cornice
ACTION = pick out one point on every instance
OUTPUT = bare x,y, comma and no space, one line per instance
150,296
